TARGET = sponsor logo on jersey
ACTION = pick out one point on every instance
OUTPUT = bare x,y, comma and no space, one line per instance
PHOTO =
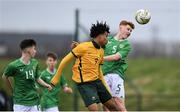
48,77
93,98
21,70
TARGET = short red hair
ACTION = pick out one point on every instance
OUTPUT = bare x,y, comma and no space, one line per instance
124,22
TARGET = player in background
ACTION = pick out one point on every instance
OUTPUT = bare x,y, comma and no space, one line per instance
115,65
25,73
87,73
50,100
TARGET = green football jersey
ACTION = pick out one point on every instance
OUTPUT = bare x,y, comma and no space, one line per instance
24,75
112,47
50,98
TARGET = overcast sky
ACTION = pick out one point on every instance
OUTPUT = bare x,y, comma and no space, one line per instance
57,16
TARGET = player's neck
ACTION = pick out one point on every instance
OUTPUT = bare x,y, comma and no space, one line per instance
118,36
25,58
96,41
51,69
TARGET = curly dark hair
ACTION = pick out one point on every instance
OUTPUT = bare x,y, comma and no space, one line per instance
98,28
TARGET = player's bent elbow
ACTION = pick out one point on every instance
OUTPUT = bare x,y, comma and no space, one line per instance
116,58
38,80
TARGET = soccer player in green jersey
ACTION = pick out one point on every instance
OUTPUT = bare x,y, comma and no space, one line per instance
25,72
115,65
50,100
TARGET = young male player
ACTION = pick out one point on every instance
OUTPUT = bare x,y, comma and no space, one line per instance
50,100
114,67
25,72
87,73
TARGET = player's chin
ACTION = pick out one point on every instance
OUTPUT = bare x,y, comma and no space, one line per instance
125,37
33,55
103,46
105,42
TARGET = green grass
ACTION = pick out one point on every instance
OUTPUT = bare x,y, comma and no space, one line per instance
156,79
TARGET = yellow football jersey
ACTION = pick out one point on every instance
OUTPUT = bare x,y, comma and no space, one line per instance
89,56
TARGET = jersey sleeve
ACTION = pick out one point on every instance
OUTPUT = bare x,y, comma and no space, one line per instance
63,82
9,70
79,50
42,76
38,72
124,51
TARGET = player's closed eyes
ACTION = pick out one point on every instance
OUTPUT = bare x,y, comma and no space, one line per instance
129,30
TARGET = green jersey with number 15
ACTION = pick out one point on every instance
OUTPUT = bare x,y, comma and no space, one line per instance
24,75
112,47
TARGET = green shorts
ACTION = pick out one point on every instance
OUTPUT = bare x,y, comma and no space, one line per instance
94,92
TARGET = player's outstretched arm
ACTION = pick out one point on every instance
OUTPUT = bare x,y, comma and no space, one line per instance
8,82
122,53
41,82
63,63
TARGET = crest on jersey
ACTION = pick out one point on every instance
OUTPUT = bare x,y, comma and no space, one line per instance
48,77
121,46
21,70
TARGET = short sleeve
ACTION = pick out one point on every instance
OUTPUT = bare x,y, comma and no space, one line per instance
124,51
9,70
38,72
78,51
63,81
42,76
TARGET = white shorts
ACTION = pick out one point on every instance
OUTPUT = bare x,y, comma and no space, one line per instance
116,85
52,109
23,108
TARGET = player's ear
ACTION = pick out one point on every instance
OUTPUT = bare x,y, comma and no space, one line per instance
25,50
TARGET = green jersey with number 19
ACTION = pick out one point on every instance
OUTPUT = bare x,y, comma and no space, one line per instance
24,75
116,46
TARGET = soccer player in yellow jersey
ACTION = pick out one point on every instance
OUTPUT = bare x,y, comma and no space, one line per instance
87,73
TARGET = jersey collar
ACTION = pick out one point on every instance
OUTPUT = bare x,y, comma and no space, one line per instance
96,45
51,72
23,62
